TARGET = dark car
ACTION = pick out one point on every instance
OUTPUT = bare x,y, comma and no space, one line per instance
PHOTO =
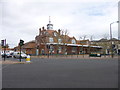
95,55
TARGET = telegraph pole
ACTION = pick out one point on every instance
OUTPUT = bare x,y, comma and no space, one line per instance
3,44
111,38
4,49
20,53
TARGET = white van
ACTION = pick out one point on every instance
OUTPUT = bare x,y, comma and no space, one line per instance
17,55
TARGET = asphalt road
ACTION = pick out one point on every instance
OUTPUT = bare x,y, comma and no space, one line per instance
62,73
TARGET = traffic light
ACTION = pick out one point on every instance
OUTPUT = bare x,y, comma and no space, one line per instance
21,43
2,43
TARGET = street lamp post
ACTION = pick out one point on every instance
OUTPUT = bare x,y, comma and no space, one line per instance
111,37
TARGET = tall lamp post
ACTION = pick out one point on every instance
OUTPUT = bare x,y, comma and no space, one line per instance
111,37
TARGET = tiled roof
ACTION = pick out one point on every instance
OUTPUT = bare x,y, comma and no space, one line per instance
30,44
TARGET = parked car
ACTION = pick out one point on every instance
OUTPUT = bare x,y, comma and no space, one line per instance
95,55
17,55
7,55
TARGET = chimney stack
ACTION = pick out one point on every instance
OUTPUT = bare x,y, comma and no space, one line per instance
43,28
39,31
59,31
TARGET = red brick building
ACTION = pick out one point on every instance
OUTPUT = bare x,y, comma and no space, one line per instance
51,41
28,48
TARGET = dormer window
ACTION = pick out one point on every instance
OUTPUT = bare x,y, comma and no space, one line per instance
55,34
73,41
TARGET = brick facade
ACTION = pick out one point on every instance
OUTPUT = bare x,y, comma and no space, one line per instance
51,41
28,48
56,42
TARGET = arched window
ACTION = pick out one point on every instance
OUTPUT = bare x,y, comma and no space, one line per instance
73,41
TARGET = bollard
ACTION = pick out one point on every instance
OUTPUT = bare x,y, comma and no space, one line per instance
28,58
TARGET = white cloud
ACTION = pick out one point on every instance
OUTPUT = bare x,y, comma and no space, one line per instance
23,18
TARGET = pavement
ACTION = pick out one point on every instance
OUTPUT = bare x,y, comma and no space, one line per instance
73,57
61,73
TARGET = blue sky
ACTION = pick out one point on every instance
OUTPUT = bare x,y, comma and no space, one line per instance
21,19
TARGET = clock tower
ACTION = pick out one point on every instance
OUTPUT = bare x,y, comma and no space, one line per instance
49,26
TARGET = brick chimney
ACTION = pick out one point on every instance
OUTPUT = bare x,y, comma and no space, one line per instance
59,31
39,31
43,28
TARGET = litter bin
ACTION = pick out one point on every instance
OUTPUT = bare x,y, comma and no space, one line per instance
28,58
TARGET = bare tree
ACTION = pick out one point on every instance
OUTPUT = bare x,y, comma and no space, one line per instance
65,39
82,38
42,40
105,44
58,36
91,39
105,36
